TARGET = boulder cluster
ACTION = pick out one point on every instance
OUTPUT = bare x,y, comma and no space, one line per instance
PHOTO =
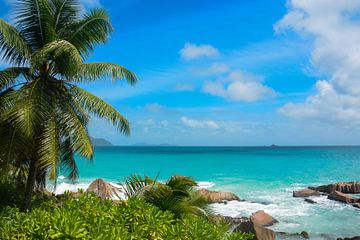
337,191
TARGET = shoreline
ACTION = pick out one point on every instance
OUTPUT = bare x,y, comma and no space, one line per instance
286,214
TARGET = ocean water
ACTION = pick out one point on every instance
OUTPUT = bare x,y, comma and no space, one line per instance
265,177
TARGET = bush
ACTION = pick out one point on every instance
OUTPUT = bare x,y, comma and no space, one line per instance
92,218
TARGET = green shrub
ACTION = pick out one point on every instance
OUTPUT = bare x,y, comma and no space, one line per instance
92,218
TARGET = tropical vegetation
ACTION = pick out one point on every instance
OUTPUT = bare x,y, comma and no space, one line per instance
178,194
43,113
89,217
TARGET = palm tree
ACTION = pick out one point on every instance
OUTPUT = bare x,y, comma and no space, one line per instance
43,113
177,195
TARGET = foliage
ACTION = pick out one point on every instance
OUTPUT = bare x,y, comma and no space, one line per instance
92,218
177,195
43,114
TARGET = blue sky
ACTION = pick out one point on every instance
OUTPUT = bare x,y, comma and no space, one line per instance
246,72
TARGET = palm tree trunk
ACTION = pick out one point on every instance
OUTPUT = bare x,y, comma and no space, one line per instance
30,183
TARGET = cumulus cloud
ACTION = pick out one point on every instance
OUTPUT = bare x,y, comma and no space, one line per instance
214,69
335,28
326,105
193,51
240,87
194,123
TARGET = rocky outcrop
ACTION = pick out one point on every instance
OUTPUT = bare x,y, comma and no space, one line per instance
342,197
303,234
309,200
217,196
232,221
344,187
263,219
306,192
260,232
102,189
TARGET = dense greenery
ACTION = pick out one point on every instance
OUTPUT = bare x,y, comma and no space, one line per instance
89,217
43,114
177,195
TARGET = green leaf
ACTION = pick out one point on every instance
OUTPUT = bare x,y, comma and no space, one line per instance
100,108
13,47
97,70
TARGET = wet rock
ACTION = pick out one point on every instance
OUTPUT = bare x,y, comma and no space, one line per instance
263,219
344,187
357,205
306,192
351,238
303,234
309,200
217,196
260,232
342,197
102,189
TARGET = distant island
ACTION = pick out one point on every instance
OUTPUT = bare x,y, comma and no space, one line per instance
141,144
101,142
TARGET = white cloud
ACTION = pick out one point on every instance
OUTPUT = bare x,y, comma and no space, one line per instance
214,69
193,123
240,87
335,27
184,87
193,51
326,105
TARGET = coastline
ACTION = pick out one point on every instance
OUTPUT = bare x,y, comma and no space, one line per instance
285,208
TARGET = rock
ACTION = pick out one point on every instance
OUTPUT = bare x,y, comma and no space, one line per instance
306,192
218,197
303,234
102,189
357,205
351,238
261,233
232,221
263,219
342,197
344,187
309,200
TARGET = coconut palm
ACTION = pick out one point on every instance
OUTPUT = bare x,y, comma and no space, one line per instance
177,195
43,113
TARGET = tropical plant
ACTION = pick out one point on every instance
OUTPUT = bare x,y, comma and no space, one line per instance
43,114
177,195
90,217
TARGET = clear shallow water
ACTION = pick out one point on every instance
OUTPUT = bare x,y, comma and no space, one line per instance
265,177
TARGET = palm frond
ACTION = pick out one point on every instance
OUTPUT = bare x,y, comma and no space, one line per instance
8,76
12,145
67,160
73,127
35,22
64,11
100,108
97,70
31,106
93,28
65,55
136,185
13,46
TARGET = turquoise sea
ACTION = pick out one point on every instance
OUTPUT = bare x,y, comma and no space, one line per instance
263,176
